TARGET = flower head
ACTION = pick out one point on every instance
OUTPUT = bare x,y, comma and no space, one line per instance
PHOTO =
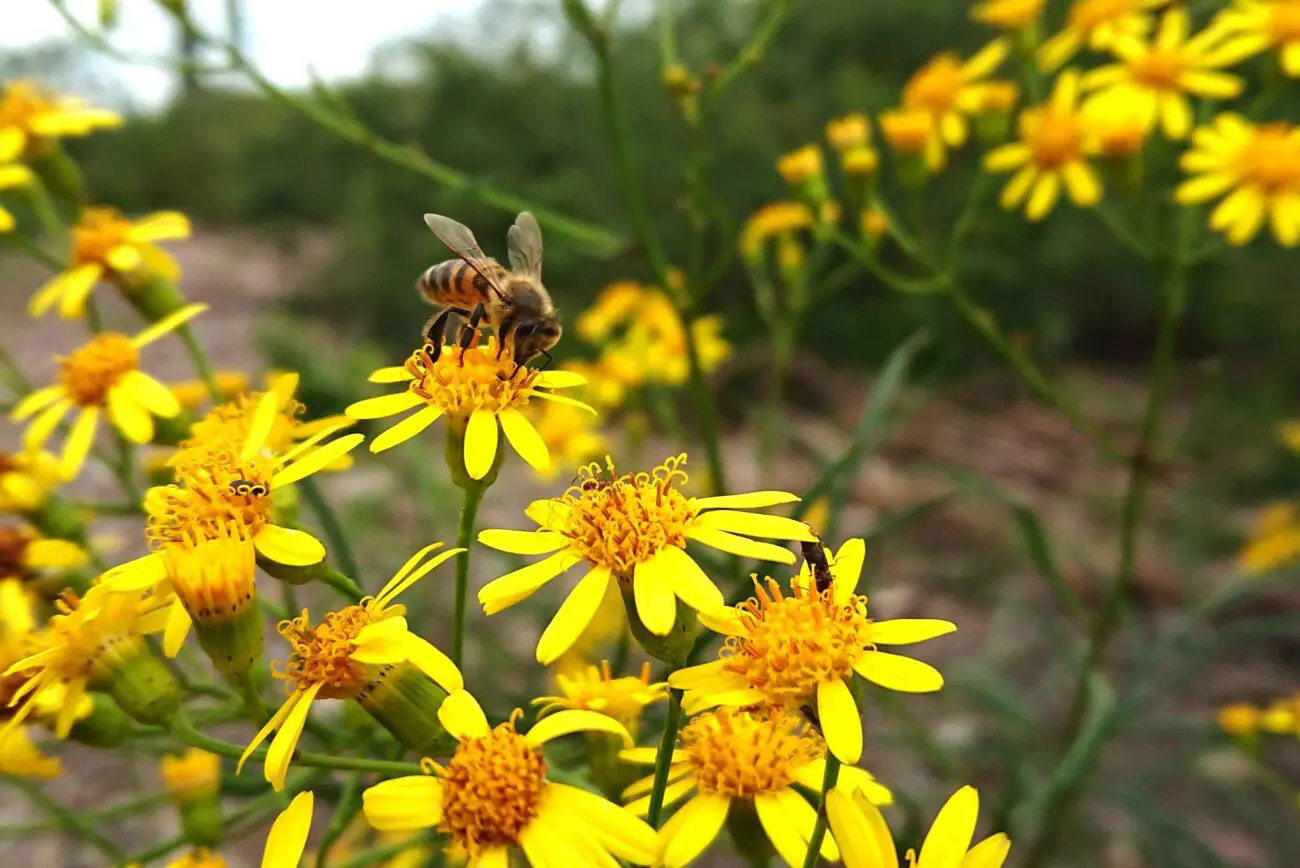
1259,24
1257,166
108,246
26,480
570,434
1051,154
1007,14
1117,121
633,528
866,842
947,89
1161,73
30,118
20,757
596,689
193,394
913,132
353,652
773,221
480,390
1097,24
848,132
191,775
801,166
25,555
103,376
493,796
757,758
12,176
803,649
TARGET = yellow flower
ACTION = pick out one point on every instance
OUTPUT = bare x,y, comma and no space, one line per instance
1240,719
234,487
351,652
1096,24
11,176
1259,24
913,132
480,390
91,642
108,246
193,394
947,90
866,842
1282,717
998,97
104,375
570,435
1274,540
1117,120
849,132
614,305
633,528
494,796
30,118
1007,14
653,349
20,757
200,858
741,757
25,555
802,650
287,839
596,689
801,166
1054,141
18,754
771,221
1259,164
26,480
1159,75
191,775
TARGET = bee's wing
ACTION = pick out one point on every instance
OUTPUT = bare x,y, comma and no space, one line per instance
524,244
461,242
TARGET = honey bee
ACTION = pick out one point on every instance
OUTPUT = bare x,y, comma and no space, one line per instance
513,301
243,486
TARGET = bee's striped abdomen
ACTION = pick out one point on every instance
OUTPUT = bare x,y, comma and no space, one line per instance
453,283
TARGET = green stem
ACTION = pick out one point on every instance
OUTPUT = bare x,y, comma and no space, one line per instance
473,494
344,584
70,820
819,829
201,363
340,547
664,760
707,410
248,692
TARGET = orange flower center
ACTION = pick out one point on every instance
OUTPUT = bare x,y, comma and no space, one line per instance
1160,70
323,654
97,232
22,102
1054,137
620,521
935,86
479,378
1088,15
13,551
8,463
792,644
1284,20
91,371
1271,159
491,789
740,754
210,497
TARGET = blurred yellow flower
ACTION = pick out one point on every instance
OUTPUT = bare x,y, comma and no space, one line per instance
772,221
480,390
287,839
1117,118
200,858
1273,541
1240,719
1259,24
801,166
30,117
26,480
108,246
848,132
25,555
913,132
193,394
614,306
1054,142
1007,14
11,177
1257,166
596,689
20,757
866,842
191,775
948,89
875,223
1096,24
570,436
1159,75
103,376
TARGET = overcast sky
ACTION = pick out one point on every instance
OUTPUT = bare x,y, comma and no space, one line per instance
284,37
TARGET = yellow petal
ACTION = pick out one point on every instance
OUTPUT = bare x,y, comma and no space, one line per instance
462,716
35,401
12,142
908,631
395,587
159,263
80,439
1014,192
564,399
282,746
573,720
432,662
841,722
137,575
178,627
76,283
573,616
480,443
260,427
617,831
560,379
1204,187
989,853
687,580
1046,190
406,429
852,832
270,726
284,545
44,554
749,500
393,374
509,589
756,524
739,545
896,672
151,394
711,676
167,324
123,258
384,405
1082,183
656,604
1007,157
316,460
160,226
1175,116
950,834
127,416
692,829
846,568
288,836
40,428
524,438
522,542
404,804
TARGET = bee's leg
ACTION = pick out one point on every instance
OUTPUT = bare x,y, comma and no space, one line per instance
470,329
546,364
434,330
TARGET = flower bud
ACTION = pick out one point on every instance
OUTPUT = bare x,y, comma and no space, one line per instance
875,225
104,725
193,780
802,170
679,82
142,685
674,647
154,297
849,132
909,133
405,702
214,578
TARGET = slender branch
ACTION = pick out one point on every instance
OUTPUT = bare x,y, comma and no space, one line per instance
201,363
752,52
664,760
831,775
68,819
473,494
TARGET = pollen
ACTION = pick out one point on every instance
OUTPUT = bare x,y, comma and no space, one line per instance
206,502
13,551
791,644
88,373
1054,137
1271,159
323,654
482,377
619,521
213,576
97,232
491,789
741,754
